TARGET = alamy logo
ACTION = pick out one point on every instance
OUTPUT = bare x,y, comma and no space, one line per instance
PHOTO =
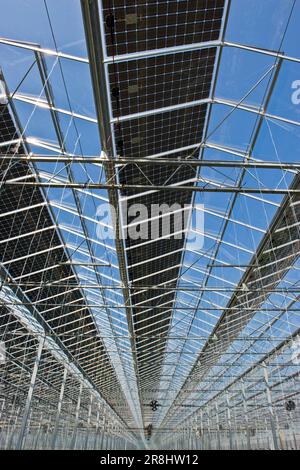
151,222
296,351
2,353
296,93
3,96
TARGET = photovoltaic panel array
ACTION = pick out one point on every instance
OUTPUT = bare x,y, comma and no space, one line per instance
276,254
168,80
154,24
109,342
141,91
36,264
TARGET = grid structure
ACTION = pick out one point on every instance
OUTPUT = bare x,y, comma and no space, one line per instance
137,87
123,342
35,264
141,85
139,26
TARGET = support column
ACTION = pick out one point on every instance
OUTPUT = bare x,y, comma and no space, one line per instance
103,435
10,441
245,407
27,408
270,405
97,426
38,432
195,441
229,420
108,441
88,421
218,426
61,396
202,431
208,430
73,442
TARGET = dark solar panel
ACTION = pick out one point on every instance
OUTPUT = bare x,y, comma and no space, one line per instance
160,132
132,26
145,85
157,82
67,322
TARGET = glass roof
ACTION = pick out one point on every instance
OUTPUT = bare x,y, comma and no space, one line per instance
192,323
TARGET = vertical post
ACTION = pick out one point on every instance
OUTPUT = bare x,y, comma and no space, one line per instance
27,408
229,420
97,426
270,405
89,421
195,441
201,428
103,433
246,414
2,408
10,441
59,406
48,428
107,439
27,431
208,430
218,426
189,436
73,442
37,437
257,435
295,440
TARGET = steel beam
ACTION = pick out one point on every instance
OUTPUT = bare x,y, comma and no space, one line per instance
252,164
36,48
178,187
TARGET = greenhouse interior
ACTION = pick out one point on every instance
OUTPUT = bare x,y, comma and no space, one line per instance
150,225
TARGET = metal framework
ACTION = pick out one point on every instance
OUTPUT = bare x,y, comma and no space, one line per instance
186,340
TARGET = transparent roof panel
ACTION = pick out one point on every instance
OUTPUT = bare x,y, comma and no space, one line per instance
154,103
